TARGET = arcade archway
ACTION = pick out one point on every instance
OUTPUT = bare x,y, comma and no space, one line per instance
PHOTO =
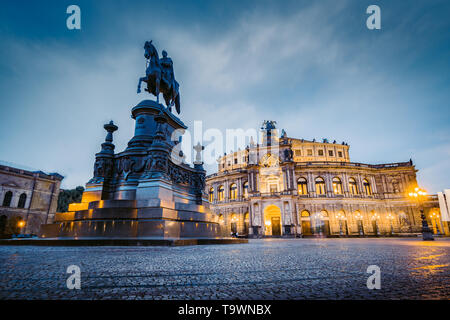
272,221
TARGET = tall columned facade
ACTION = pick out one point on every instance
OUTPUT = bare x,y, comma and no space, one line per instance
295,187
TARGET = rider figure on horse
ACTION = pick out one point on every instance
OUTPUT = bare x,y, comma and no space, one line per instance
168,75
160,77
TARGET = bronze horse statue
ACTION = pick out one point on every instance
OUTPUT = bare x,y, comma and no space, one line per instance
160,78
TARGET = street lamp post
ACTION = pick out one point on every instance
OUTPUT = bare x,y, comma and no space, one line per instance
21,224
418,195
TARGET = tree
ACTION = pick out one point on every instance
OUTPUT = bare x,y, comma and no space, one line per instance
68,196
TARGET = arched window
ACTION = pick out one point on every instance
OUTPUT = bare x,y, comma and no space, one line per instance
337,185
246,189
211,195
7,199
22,200
221,218
221,193
341,215
302,185
323,214
367,188
305,214
352,186
320,186
233,191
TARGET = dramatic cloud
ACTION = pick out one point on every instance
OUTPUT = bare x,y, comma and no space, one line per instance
313,67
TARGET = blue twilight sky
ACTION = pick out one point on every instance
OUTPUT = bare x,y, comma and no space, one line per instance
313,66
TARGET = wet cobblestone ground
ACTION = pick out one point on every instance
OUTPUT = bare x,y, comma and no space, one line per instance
261,269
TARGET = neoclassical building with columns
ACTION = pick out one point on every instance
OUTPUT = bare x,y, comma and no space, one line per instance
294,187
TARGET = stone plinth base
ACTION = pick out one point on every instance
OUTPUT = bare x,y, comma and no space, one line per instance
134,219
120,242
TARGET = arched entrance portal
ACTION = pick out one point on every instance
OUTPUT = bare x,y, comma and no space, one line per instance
272,221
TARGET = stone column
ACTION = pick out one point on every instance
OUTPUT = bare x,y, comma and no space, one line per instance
373,184
345,184
294,178
311,184
360,184
227,190
329,185
285,179
385,189
250,217
239,190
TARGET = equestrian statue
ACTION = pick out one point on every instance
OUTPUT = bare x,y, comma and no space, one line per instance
160,77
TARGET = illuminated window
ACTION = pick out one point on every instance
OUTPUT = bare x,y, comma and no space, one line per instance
7,199
305,213
211,195
273,188
233,191
367,188
309,152
298,152
352,186
330,153
221,193
22,200
302,185
340,154
320,186
337,185
245,189
320,152
221,220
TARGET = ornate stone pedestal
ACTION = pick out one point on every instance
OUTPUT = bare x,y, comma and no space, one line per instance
146,191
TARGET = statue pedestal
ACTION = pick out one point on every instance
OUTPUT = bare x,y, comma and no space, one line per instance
142,192
134,219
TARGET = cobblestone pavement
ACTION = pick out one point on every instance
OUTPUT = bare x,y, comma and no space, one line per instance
261,269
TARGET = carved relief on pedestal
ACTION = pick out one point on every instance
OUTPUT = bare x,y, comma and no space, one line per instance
103,168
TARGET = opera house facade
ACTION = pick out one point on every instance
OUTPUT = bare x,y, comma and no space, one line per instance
295,188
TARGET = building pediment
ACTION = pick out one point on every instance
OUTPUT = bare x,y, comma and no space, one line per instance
269,160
